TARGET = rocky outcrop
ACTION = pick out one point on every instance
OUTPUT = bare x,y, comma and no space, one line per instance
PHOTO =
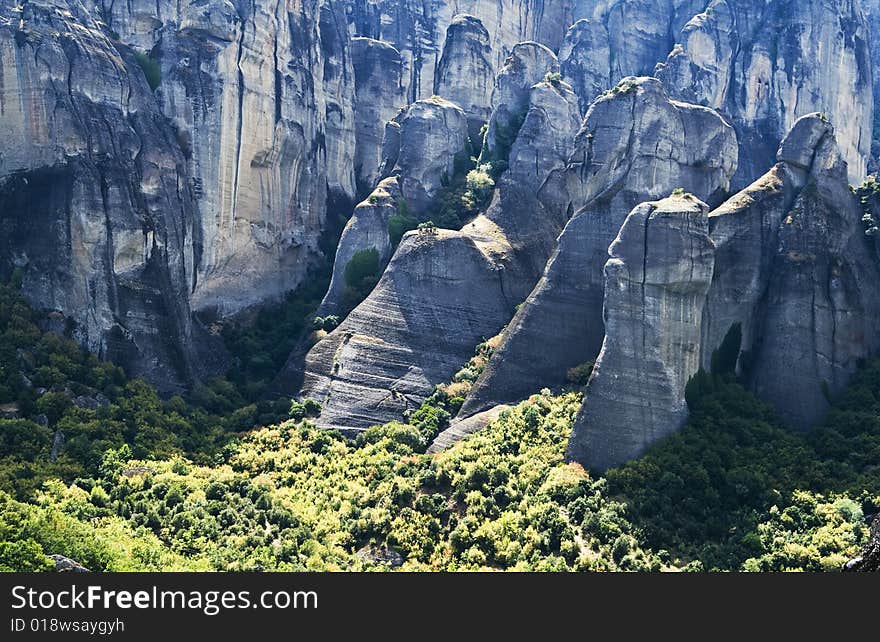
379,96
585,60
426,141
385,357
462,286
871,10
262,100
366,229
635,145
418,29
465,74
795,271
656,280
461,429
869,559
433,136
765,64
97,211
613,39
527,65
66,565
793,277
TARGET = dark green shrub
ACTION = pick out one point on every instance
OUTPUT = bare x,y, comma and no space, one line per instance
150,66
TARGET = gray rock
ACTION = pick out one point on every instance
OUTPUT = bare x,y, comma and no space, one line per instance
869,560
57,442
792,269
261,99
10,410
418,28
387,356
366,229
67,565
657,277
95,203
585,59
765,64
425,140
795,270
527,65
433,133
461,429
379,96
465,74
635,145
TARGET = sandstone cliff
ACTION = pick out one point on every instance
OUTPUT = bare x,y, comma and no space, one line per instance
262,100
795,270
422,147
656,280
793,277
765,64
635,145
445,291
97,211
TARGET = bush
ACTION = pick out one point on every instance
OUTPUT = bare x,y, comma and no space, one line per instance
150,66
400,223
362,271
580,375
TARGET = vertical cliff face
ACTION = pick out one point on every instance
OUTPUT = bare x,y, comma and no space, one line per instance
465,74
97,212
613,39
427,138
795,270
418,30
262,99
768,63
635,145
379,96
526,66
461,286
784,266
656,279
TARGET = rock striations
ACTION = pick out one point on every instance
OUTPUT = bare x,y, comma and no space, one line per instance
656,281
445,291
635,145
421,146
793,275
765,64
96,210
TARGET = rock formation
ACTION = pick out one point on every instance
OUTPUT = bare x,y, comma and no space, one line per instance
465,74
526,66
613,39
795,270
432,134
387,356
379,96
418,28
656,280
635,145
262,101
97,212
765,64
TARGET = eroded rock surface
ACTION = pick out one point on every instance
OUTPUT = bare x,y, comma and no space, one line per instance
766,64
656,280
445,292
635,145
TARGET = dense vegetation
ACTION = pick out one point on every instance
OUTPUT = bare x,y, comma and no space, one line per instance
147,484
